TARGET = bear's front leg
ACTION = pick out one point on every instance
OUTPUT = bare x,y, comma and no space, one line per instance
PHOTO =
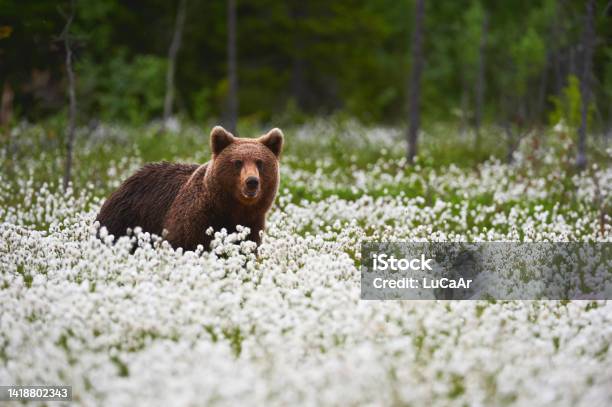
185,226
256,228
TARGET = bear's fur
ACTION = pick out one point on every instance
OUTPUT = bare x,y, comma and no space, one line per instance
181,201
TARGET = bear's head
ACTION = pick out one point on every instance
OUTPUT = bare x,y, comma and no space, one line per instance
245,170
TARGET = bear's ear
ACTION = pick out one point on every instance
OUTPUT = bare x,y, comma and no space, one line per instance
219,139
273,140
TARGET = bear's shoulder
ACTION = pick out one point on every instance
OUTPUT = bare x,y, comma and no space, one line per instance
165,167
162,171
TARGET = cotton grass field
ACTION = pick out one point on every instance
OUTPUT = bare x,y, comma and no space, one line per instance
161,327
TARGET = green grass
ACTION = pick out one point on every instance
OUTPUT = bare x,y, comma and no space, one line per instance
336,152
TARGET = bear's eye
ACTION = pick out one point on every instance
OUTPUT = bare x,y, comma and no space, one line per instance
238,164
259,164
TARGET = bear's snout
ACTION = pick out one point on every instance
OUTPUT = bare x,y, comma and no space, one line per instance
252,183
251,187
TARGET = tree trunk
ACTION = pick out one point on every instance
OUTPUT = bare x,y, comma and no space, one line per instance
464,123
6,106
415,80
480,81
585,83
175,45
543,86
557,59
298,71
72,97
509,142
232,102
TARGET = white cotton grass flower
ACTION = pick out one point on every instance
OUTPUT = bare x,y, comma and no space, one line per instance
130,321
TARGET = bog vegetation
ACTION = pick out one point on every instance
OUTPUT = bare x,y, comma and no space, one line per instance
287,327
465,120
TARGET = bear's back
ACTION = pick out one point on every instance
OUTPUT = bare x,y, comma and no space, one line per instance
144,198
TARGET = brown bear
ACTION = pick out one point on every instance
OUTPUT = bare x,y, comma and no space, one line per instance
181,201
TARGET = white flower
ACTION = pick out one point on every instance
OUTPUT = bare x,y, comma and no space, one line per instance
282,324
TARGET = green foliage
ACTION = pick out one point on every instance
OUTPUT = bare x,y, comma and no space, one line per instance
471,36
529,55
122,89
202,100
297,59
568,106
